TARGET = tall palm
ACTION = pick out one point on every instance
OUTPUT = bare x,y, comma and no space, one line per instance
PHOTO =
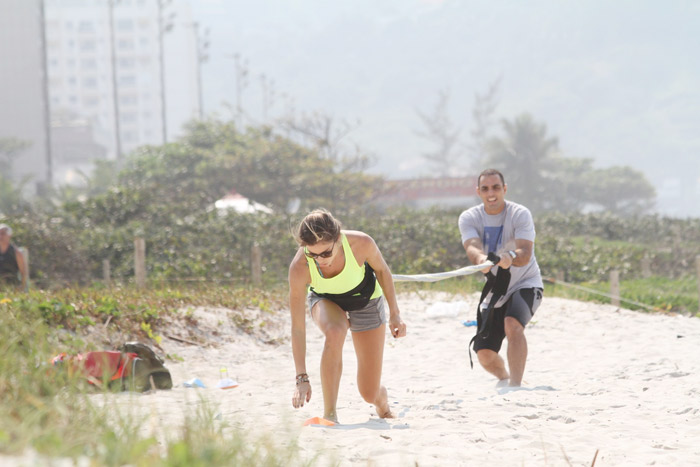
527,157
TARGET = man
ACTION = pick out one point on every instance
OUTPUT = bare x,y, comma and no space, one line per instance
507,230
12,265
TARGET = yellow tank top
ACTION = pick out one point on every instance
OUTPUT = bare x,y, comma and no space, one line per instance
349,278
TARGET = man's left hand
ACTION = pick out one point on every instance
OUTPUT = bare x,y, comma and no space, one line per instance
506,260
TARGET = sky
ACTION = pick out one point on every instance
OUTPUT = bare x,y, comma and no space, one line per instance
618,82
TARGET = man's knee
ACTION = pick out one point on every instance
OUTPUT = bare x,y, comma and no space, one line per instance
513,327
486,357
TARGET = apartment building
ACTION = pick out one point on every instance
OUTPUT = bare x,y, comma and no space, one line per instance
23,110
104,60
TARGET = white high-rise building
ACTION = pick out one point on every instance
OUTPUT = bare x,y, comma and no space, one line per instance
23,110
81,66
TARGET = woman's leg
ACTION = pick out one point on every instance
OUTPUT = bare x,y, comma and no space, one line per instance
334,324
369,348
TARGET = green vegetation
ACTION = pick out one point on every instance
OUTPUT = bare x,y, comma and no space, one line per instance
132,311
211,249
657,293
166,194
542,179
48,411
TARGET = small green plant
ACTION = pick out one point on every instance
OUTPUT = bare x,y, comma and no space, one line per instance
49,409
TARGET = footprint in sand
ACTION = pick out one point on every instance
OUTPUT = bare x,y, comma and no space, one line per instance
566,420
533,416
509,389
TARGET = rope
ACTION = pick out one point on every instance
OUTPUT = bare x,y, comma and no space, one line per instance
438,276
598,292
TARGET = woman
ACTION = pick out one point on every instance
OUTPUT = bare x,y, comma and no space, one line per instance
341,269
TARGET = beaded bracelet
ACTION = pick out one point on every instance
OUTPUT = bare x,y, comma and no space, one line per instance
302,378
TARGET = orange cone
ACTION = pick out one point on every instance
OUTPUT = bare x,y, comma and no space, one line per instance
318,421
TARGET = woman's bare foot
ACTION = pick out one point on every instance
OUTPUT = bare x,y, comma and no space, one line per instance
332,417
382,404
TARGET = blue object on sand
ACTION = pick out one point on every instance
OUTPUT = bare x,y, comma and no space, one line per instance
469,323
194,383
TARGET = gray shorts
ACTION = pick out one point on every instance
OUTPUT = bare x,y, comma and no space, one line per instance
370,317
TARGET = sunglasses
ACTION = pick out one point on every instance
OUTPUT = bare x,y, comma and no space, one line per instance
325,254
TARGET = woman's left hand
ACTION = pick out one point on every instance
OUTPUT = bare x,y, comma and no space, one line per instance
302,393
397,326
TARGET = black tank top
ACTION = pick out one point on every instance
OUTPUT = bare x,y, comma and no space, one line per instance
8,264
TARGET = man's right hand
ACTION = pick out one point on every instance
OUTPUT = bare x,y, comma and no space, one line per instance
302,393
486,270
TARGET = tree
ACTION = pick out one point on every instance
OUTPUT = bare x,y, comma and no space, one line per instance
12,201
441,131
621,190
568,188
527,157
9,148
160,184
483,117
539,177
328,136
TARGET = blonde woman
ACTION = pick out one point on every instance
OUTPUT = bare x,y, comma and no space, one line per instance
343,277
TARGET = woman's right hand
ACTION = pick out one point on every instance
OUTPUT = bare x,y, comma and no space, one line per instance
301,393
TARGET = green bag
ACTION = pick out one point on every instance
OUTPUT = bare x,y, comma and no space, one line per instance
148,370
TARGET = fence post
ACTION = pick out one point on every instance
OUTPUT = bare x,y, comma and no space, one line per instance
140,261
25,254
697,268
646,267
559,277
256,264
615,287
106,273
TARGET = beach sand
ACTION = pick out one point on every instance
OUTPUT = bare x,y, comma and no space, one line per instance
598,378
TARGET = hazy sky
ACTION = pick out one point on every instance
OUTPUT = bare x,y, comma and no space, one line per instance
617,81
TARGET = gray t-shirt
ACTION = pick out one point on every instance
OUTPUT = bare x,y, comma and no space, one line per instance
498,234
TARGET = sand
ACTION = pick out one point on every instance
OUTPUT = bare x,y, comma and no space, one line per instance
598,379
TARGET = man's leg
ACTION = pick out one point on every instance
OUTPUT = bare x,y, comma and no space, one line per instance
493,363
517,349
333,322
522,306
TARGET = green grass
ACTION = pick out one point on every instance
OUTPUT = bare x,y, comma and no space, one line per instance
47,410
659,293
137,312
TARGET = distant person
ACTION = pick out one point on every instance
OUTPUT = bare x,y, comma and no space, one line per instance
13,271
506,229
343,277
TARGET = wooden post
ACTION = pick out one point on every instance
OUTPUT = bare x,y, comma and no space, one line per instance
25,254
646,267
106,273
697,268
676,229
256,264
615,287
560,276
140,261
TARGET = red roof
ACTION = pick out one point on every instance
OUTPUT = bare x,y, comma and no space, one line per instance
417,188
